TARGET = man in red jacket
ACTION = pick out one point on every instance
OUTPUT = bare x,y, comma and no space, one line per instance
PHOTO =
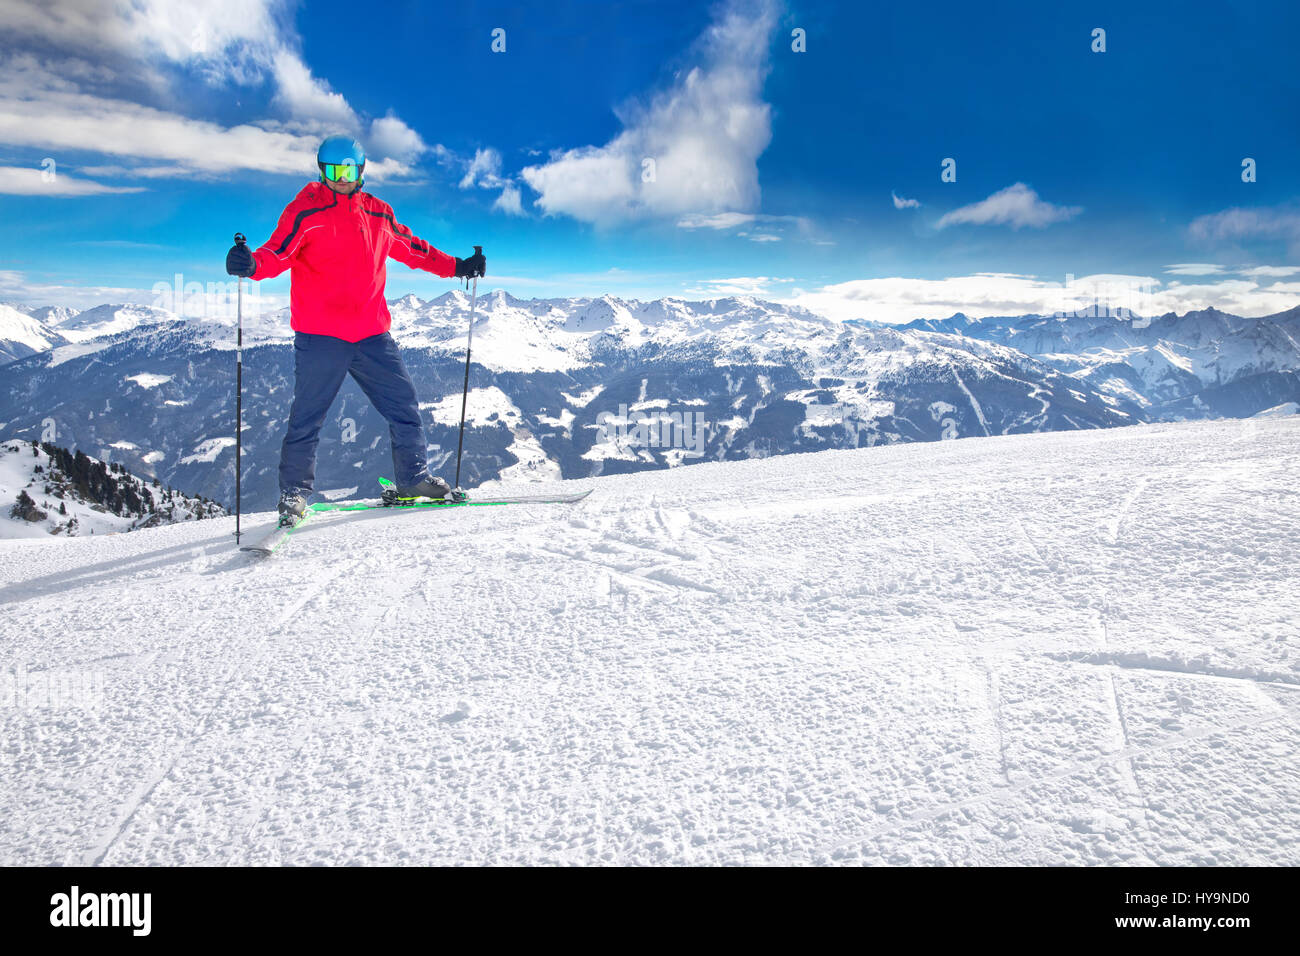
336,239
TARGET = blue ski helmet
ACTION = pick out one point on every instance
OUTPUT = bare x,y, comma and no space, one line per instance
336,155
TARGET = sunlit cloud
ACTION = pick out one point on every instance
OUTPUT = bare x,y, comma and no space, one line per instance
23,181
898,299
1017,206
757,286
703,135
76,99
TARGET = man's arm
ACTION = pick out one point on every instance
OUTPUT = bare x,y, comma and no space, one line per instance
410,249
296,223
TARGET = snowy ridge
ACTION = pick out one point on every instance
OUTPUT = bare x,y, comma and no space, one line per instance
105,320
68,496
1153,363
22,334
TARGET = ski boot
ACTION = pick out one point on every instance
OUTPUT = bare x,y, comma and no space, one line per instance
426,487
292,507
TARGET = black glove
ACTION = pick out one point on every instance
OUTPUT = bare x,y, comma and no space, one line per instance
475,265
239,261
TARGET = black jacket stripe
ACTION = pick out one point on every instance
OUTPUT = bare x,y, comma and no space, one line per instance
298,222
399,230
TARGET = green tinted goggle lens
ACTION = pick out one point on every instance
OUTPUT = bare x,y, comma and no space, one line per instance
341,173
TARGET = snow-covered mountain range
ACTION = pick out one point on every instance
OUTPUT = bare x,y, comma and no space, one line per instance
1173,367
568,387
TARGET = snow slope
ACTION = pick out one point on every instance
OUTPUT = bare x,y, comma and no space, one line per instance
85,509
1061,648
16,476
109,319
21,334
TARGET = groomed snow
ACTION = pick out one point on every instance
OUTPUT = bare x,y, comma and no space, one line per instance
1062,648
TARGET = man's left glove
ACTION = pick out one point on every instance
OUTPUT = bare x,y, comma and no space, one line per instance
240,262
475,265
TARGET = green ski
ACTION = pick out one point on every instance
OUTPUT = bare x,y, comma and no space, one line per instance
276,538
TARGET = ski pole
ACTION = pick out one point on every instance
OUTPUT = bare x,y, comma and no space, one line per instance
239,386
464,395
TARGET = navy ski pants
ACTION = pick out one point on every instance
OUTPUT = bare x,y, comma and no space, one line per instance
320,363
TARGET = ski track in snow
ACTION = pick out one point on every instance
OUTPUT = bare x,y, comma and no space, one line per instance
975,405
1064,648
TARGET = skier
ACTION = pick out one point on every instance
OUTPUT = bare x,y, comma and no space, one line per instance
337,239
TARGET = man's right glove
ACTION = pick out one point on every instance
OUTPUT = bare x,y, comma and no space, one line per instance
475,265
240,262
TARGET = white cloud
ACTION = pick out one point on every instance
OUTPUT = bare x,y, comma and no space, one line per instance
1015,206
390,137
722,220
15,287
483,170
760,286
208,300
1270,271
1278,222
308,99
74,98
37,113
705,134
901,203
731,220
23,181
509,201
236,41
1214,269
899,299
64,22
136,172
391,172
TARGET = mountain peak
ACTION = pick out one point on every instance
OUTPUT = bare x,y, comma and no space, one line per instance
408,301
450,297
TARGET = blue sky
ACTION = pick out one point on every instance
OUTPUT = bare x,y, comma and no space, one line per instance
809,177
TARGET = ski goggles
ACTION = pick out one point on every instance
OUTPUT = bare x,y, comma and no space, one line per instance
340,172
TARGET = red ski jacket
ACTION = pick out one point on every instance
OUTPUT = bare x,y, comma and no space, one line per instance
338,247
